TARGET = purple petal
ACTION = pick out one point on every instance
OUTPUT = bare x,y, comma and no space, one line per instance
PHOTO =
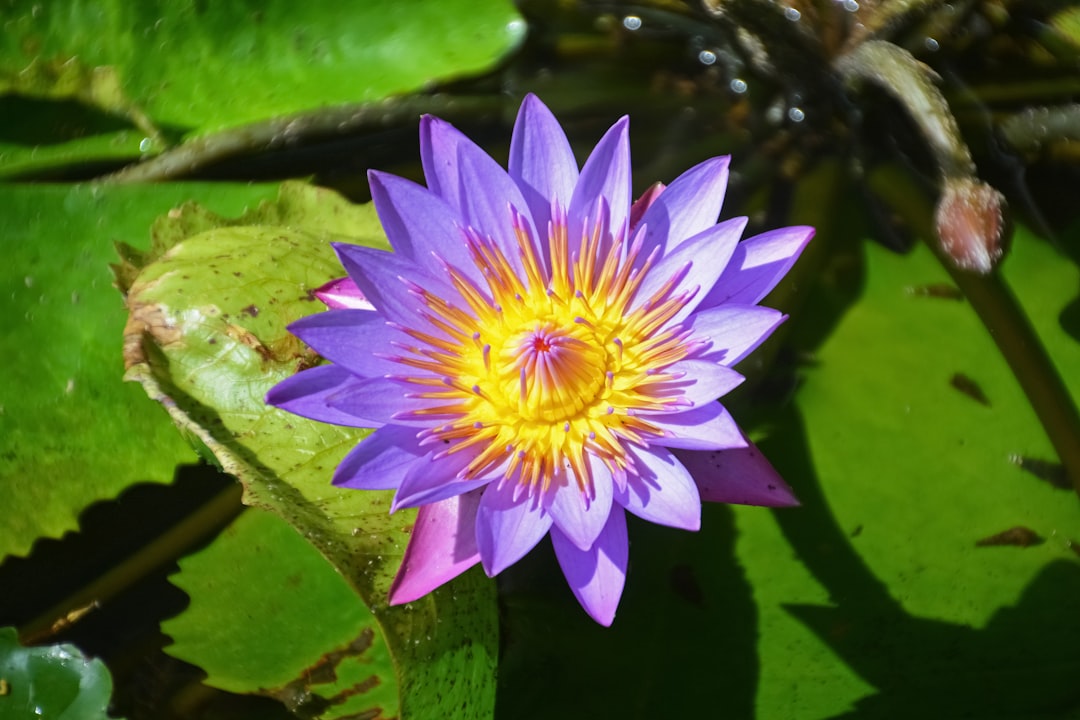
442,546
379,276
381,401
350,338
662,491
421,225
597,575
437,479
306,394
605,176
706,427
342,294
702,383
487,203
757,265
381,460
541,161
688,206
507,528
734,330
741,476
581,517
701,259
439,142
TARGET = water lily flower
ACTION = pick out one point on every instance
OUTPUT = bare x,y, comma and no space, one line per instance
544,356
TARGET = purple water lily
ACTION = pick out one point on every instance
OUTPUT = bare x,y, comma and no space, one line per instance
543,355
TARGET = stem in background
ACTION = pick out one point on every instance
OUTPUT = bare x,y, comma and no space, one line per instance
165,548
1002,315
200,152
970,217
1007,323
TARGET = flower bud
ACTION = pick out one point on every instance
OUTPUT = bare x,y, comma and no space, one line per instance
971,224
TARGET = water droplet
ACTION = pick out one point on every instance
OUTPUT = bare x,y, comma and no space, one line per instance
796,115
931,44
632,22
145,144
515,28
29,281
738,86
792,14
706,57
775,114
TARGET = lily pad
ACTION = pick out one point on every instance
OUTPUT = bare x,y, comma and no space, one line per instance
52,681
207,338
269,615
927,572
71,432
170,68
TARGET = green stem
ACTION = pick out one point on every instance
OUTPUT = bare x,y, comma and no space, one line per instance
165,548
1015,337
1006,321
200,152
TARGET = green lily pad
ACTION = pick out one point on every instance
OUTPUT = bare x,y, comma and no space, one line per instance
52,681
270,615
170,67
71,432
926,573
207,338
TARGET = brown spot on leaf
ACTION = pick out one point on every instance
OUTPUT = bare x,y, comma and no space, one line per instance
246,337
250,311
146,322
300,695
1019,536
969,387
943,291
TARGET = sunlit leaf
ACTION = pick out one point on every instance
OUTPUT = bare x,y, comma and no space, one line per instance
71,432
170,67
52,681
269,615
904,448
207,338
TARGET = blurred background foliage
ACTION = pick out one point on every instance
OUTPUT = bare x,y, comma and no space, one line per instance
924,414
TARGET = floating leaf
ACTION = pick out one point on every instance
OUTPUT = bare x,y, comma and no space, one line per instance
208,338
269,615
179,67
53,681
71,432
878,583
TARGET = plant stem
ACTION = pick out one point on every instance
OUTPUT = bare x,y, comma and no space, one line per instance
165,548
1005,320
197,153
1014,336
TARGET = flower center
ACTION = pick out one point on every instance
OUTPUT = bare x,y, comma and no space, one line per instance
550,373
551,363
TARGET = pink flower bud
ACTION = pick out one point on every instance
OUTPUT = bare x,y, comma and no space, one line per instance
971,224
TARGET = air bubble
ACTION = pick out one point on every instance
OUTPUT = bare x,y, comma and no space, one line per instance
796,115
632,22
931,44
851,5
145,144
792,14
706,57
738,86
